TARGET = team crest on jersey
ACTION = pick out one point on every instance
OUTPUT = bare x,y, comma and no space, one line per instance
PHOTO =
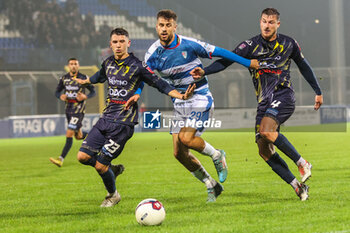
249,42
184,54
242,46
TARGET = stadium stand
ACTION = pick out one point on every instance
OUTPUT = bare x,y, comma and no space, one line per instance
42,30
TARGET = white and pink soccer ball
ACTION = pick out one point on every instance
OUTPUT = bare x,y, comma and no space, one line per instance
150,212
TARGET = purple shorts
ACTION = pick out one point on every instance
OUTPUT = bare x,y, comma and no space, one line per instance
75,120
107,140
280,106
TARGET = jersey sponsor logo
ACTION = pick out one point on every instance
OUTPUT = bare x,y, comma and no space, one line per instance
269,71
117,92
114,81
264,64
184,54
71,94
71,88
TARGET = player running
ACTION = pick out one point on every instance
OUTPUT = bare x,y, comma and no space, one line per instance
106,140
174,56
275,94
74,96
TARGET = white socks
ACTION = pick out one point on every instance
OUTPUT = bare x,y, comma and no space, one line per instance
295,184
301,162
210,151
202,175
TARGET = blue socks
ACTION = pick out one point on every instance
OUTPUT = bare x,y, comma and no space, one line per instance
280,167
286,147
91,162
66,148
109,180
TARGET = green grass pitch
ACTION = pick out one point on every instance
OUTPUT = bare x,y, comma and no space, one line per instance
37,196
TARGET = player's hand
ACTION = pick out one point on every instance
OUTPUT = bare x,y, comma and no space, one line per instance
81,81
132,100
197,73
81,97
63,97
189,92
254,64
318,102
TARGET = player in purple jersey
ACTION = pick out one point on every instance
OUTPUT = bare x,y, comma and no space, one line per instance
275,94
74,96
106,140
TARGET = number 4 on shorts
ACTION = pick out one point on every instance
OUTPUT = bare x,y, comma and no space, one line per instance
275,103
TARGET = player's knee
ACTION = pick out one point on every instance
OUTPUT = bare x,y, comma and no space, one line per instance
265,134
101,168
83,157
185,139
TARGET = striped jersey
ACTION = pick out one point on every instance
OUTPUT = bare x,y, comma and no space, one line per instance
175,62
275,59
71,88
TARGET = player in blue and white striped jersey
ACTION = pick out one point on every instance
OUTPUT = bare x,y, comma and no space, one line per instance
174,56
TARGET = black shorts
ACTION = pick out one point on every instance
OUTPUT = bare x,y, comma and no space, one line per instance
279,107
75,120
107,139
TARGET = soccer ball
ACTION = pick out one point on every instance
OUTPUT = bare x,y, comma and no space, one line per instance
150,212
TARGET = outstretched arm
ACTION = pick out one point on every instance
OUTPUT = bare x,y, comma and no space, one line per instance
153,80
213,68
98,77
228,59
231,56
187,95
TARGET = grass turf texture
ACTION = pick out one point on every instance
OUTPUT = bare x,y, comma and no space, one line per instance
37,196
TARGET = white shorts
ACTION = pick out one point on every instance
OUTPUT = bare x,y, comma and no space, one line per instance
192,113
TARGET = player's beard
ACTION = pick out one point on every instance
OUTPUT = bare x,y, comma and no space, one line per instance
167,41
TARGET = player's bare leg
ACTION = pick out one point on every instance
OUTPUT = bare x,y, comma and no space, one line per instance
188,160
268,130
66,148
279,166
187,136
